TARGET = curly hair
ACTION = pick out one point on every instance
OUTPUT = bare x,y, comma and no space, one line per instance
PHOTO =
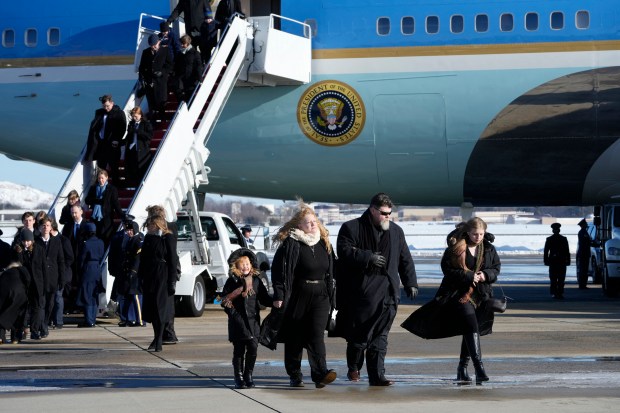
303,210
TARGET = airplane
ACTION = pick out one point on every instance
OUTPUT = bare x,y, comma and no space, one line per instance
435,102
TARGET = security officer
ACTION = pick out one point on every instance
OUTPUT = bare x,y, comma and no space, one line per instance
557,258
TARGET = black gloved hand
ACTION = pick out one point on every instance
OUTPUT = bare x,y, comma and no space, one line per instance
171,289
378,260
411,292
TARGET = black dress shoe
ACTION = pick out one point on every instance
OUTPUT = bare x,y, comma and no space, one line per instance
382,382
353,375
169,341
122,324
85,325
296,383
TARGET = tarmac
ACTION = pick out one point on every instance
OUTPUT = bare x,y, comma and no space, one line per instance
544,355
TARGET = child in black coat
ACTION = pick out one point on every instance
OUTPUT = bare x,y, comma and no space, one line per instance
244,293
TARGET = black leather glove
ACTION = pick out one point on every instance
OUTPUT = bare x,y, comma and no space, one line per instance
411,292
378,260
171,289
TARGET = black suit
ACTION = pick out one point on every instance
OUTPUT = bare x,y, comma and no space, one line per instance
54,275
109,205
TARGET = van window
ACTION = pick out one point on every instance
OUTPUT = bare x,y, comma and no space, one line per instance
234,235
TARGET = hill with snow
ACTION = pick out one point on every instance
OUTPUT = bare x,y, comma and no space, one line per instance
15,196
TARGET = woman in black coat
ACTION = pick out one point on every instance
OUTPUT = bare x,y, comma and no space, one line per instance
158,273
14,282
302,281
102,199
137,147
243,294
470,266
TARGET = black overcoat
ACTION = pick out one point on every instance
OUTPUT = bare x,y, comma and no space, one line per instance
139,155
361,292
109,205
556,252
158,273
101,150
13,295
34,262
440,317
244,316
54,264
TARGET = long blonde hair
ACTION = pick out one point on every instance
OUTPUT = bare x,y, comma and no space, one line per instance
303,210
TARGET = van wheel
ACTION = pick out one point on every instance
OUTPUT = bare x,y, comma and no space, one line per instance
194,305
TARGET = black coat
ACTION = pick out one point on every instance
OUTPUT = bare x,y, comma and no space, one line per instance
54,264
194,13
77,242
225,9
154,69
126,281
13,295
244,316
109,205
67,250
440,317
361,292
5,254
158,274
138,155
101,150
188,68
557,253
34,262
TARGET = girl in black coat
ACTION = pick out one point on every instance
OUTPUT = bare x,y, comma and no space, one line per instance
137,147
244,294
158,273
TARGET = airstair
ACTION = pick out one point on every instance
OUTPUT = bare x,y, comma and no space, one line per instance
180,136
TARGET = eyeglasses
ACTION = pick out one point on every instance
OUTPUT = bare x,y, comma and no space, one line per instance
384,213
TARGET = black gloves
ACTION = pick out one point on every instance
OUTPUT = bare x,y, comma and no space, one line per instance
378,260
171,289
411,292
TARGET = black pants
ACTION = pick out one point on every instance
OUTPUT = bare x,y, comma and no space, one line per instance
306,321
582,270
557,276
375,345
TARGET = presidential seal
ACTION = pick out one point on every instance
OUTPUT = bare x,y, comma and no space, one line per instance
331,113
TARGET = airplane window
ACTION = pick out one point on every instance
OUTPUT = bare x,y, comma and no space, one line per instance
457,23
30,37
432,24
482,23
506,22
582,19
53,36
531,22
407,25
557,20
313,27
383,26
8,38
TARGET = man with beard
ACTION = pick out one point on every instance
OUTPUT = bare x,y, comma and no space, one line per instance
373,259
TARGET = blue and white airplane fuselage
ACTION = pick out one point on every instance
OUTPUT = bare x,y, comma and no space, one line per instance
428,105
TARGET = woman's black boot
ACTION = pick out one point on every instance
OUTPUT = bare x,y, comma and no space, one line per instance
461,371
247,372
238,370
473,345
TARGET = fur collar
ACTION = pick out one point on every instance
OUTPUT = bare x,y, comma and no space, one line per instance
308,239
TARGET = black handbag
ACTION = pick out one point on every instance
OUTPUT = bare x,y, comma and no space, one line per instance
496,305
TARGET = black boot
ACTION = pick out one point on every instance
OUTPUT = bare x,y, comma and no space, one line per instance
237,363
247,372
461,370
473,345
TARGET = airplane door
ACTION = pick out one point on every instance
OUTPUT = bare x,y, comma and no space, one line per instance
410,145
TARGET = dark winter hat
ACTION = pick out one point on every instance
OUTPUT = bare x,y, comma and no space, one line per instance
90,228
163,27
153,40
246,228
556,225
582,223
129,224
26,235
241,252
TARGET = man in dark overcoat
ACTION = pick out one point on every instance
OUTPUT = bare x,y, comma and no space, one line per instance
194,12
373,260
75,231
54,270
584,243
155,66
105,134
557,258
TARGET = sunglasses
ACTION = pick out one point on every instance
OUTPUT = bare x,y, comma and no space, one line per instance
384,213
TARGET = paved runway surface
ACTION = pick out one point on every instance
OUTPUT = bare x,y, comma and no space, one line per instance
547,355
